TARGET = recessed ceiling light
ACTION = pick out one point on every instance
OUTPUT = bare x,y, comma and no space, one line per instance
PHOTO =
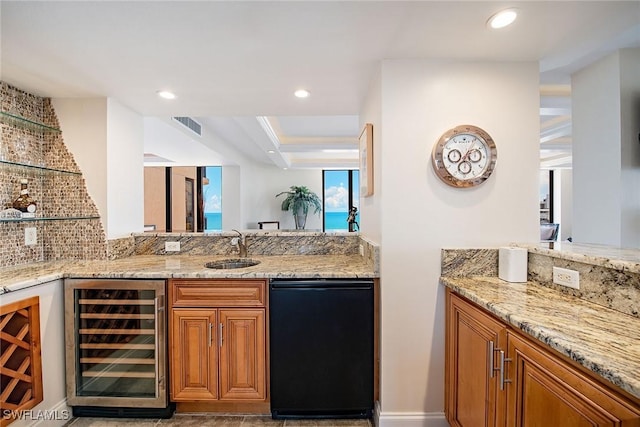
302,93
502,18
166,94
271,151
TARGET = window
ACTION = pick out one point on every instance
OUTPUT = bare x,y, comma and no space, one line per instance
212,198
341,191
546,196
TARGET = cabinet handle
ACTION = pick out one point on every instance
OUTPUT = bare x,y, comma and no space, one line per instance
501,370
220,326
210,333
490,362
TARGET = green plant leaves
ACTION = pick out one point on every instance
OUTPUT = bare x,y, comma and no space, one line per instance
300,199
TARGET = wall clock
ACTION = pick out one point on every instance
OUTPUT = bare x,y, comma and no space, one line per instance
464,156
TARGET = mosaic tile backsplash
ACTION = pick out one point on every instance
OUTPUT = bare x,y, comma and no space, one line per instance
68,224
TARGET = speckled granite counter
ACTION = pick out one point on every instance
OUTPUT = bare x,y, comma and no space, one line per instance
621,259
603,340
187,266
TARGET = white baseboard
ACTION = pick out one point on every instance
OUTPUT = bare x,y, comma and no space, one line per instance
376,414
408,419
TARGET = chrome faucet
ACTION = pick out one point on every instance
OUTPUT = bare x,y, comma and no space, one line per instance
241,242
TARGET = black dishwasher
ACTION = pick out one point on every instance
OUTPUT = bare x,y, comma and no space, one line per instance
322,361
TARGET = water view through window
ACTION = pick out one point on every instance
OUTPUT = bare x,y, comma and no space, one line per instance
212,196
341,191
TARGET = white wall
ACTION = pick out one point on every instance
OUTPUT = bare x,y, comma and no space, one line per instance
563,202
260,184
420,100
606,155
84,130
125,174
52,351
595,106
231,202
370,207
630,146
106,140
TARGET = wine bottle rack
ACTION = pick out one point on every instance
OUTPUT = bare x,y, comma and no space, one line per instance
20,359
116,331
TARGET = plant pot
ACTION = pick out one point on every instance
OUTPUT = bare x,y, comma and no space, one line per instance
300,218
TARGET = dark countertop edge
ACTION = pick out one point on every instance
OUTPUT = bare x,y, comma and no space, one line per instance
536,332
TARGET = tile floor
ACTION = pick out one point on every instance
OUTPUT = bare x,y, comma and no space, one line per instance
207,420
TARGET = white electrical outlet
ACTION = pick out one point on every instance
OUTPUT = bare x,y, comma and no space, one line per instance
361,249
172,246
30,236
566,277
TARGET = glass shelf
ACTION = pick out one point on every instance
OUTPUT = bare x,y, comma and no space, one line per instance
65,218
22,123
41,168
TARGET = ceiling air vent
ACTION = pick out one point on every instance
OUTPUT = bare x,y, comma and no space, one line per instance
190,124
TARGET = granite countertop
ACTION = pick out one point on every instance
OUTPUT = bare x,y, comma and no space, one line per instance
622,259
187,266
605,341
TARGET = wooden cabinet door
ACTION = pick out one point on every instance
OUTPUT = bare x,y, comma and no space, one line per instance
547,391
193,349
242,354
471,387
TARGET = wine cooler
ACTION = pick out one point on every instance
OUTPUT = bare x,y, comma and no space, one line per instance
116,356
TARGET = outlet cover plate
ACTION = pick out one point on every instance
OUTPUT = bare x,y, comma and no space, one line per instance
30,236
172,246
566,277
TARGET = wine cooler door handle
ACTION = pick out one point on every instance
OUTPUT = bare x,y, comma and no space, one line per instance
158,307
220,326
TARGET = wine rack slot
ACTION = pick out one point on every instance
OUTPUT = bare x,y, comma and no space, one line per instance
20,360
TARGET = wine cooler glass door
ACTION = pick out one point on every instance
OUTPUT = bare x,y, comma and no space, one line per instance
119,353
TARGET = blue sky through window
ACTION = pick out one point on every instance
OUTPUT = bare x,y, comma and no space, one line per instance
336,198
212,195
336,191
213,190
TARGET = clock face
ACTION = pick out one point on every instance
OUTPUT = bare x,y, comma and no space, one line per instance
464,156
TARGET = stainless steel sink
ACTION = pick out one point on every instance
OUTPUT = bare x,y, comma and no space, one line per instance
232,263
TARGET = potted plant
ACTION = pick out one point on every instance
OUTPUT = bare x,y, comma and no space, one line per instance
299,200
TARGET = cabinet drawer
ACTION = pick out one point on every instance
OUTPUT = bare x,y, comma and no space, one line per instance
218,293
